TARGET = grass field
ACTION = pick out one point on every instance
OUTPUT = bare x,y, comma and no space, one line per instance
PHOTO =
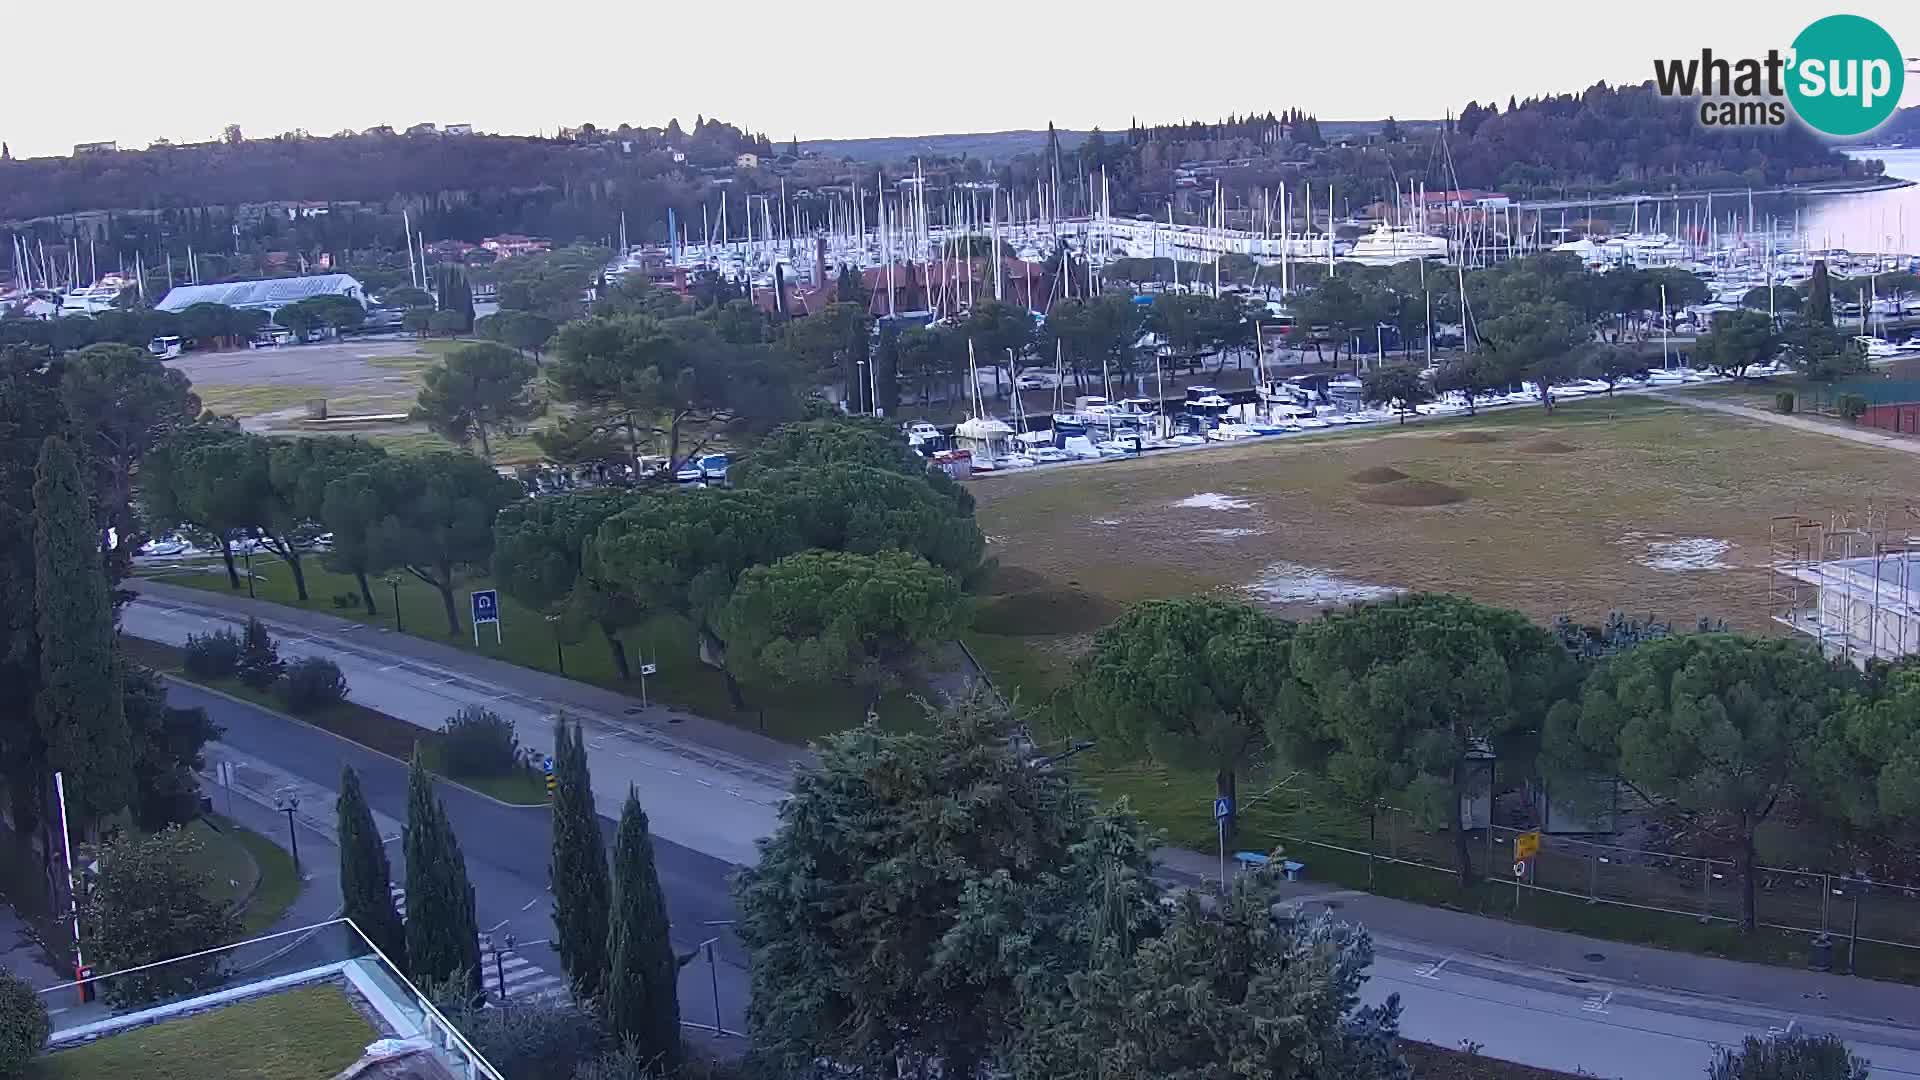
302,1034
1626,504
1629,504
527,640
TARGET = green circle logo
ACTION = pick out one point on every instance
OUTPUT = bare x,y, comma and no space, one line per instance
1846,76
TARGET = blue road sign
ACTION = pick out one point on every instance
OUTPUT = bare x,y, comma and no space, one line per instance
549,765
486,606
1222,808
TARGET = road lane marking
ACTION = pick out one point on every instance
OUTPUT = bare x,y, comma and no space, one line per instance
1597,1004
1432,971
530,903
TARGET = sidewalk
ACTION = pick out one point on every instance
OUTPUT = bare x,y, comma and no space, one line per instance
706,786
688,798
250,804
1798,423
1437,934
770,755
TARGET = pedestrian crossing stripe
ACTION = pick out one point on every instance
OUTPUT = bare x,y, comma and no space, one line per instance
525,980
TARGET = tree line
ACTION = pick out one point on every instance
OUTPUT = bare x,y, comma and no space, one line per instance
936,903
74,430
1389,703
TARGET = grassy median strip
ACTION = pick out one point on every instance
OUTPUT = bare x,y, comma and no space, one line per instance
1434,1063
370,728
793,715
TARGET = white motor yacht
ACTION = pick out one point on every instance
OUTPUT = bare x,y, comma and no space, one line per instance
1389,244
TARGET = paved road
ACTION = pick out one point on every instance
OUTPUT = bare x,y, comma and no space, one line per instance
704,798
507,848
1543,1019
1864,436
1508,987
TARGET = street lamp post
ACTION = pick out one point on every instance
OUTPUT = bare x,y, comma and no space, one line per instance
500,967
393,582
862,379
287,804
559,656
247,554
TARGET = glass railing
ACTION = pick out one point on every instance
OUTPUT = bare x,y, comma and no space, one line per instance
331,952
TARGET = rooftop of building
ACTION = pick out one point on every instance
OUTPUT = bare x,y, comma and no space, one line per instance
317,1001
265,293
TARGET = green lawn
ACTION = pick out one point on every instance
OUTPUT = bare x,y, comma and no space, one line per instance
225,859
304,1034
368,727
280,884
1646,465
527,639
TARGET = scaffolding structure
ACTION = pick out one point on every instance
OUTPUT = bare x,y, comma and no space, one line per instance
1851,582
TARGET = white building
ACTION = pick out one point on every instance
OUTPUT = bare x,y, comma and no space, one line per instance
269,295
1861,608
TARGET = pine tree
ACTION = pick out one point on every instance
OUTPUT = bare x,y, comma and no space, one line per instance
366,880
579,870
442,936
640,992
81,715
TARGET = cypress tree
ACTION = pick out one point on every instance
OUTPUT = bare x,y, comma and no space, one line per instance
442,936
579,870
78,706
366,879
640,995
1820,296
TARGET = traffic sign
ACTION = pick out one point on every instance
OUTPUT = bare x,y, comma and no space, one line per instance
649,669
1526,845
1222,808
486,609
548,766
1519,869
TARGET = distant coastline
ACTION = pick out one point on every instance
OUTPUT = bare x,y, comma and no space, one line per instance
1841,187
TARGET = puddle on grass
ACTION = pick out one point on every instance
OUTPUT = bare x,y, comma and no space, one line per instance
1213,500
1294,583
1680,554
1229,534
1107,522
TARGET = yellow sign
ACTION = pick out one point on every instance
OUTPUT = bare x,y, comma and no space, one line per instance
1526,845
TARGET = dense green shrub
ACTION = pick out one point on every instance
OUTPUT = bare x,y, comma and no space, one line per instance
24,1026
479,742
260,665
213,656
1851,406
1789,1057
312,683
1783,401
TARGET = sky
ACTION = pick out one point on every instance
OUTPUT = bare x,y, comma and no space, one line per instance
141,71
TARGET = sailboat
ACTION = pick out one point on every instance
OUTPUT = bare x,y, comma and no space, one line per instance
981,435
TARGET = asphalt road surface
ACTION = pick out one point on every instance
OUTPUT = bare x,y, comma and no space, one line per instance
507,850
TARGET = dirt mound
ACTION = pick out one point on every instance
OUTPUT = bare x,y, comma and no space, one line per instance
1413,493
1547,446
1013,579
1469,437
1045,612
1379,474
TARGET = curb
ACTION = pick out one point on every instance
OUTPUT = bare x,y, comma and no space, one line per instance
440,777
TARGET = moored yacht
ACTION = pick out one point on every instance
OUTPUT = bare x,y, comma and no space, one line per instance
1389,244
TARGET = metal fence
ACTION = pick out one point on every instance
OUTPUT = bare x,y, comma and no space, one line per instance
1705,889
